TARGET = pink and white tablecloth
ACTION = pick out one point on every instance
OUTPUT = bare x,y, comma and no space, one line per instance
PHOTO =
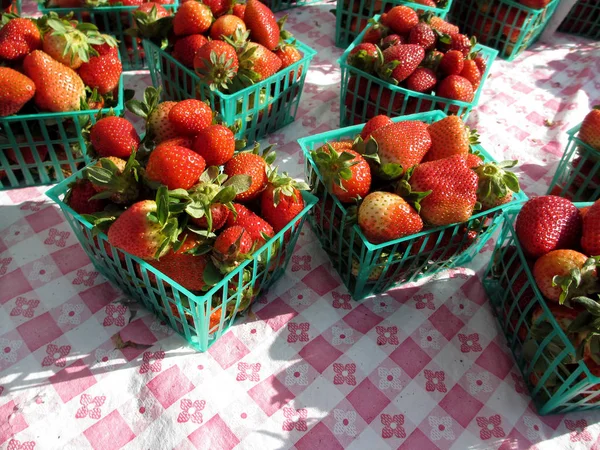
422,367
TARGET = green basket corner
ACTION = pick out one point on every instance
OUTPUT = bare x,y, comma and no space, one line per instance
58,133
186,312
514,296
256,110
367,268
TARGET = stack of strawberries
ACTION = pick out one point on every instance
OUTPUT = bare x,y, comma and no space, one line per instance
183,199
422,53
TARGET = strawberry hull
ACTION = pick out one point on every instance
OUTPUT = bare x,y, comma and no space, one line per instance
583,20
199,317
364,96
505,25
113,20
577,176
352,16
535,330
368,269
49,135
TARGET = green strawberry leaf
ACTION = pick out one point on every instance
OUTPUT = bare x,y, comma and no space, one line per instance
225,195
211,275
162,205
581,322
239,183
390,171
592,306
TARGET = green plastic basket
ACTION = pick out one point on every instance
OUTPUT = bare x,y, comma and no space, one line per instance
583,20
23,136
577,176
256,110
280,5
113,20
555,382
353,15
510,29
187,313
367,268
361,94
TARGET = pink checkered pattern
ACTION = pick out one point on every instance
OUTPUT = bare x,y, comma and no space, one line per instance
421,367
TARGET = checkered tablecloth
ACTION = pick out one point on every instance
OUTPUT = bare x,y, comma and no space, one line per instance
422,367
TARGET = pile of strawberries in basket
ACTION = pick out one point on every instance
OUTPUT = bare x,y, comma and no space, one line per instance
561,244
406,176
184,198
423,53
229,47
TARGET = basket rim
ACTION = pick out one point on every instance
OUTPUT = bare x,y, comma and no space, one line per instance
518,198
308,54
491,53
59,189
409,3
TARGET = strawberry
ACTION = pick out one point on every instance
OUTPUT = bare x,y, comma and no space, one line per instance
252,223
15,91
553,274
590,128
192,18
227,26
461,43
114,136
146,8
186,47
260,60
383,217
496,184
18,38
590,238
474,160
102,72
115,178
400,61
456,87
442,26
264,28
425,2
183,141
375,123
175,167
27,153
289,54
422,34
218,7
471,72
281,201
391,40
548,223
218,214
216,63
248,163
374,34
449,136
182,267
452,63
453,189
79,198
401,19
421,80
363,56
58,88
232,243
535,4
402,143
239,10
145,230
190,116
216,144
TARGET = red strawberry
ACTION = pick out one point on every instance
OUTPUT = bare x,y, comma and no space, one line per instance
114,136
281,201
192,18
452,63
456,87
363,56
218,213
102,72
175,167
442,26
474,160
481,64
471,72
227,26
374,124
590,128
496,184
422,35
560,263
216,144
224,68
535,4
247,163
15,91
425,2
374,34
232,243
449,136
421,80
146,8
289,54
461,43
391,40
185,48
182,267
453,189
383,217
264,28
402,143
262,61
186,141
18,38
218,7
239,10
548,223
253,224
79,198
401,19
400,61
345,172
590,239
190,116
